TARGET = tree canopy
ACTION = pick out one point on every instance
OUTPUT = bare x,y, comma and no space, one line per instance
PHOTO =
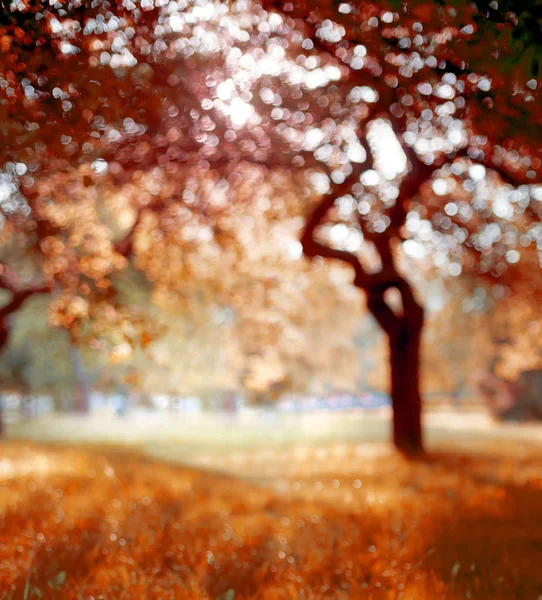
136,131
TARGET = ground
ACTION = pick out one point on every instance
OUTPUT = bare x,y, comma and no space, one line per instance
338,520
194,438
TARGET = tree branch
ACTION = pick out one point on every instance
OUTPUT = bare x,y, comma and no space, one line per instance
389,277
382,313
15,303
374,284
418,174
311,247
506,176
13,306
8,282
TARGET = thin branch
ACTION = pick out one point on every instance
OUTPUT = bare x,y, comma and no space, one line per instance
338,190
506,176
312,248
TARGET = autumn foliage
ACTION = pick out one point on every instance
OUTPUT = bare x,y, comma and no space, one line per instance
138,133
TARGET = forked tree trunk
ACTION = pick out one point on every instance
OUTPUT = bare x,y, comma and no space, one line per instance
404,330
404,346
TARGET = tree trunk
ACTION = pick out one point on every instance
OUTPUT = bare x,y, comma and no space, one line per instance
6,314
404,345
80,379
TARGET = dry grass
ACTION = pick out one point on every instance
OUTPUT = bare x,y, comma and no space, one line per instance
84,523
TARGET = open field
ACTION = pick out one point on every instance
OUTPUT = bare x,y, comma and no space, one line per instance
199,439
342,520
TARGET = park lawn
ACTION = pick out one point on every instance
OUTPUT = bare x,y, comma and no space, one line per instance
107,523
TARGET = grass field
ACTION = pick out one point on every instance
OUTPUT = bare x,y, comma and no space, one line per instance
316,521
189,437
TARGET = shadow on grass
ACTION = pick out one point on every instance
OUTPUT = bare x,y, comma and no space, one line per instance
121,526
489,543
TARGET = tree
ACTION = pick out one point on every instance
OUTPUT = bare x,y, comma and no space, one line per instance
405,96
330,90
215,319
16,291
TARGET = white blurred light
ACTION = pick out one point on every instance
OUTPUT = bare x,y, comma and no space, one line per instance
440,187
313,138
356,152
224,90
100,166
176,23
370,177
512,256
414,249
240,111
295,250
390,158
455,269
477,172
